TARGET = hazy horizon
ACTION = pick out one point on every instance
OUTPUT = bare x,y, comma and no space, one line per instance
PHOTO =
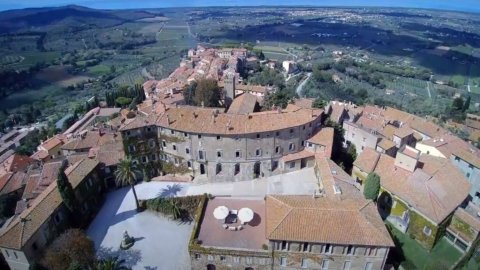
461,5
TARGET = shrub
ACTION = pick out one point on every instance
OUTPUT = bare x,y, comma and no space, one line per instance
372,186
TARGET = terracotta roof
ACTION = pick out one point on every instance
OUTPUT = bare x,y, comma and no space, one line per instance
305,103
16,182
251,88
468,156
29,221
388,131
243,104
325,220
51,143
331,174
473,221
435,189
24,226
40,155
403,132
367,160
78,171
324,137
337,111
298,155
203,120
386,144
4,179
16,163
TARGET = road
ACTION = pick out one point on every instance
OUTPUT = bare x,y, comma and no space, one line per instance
428,89
300,86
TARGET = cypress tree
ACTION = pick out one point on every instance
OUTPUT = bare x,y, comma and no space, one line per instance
66,190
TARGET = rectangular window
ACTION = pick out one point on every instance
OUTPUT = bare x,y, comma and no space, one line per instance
219,153
236,259
189,164
238,154
199,136
325,264
291,146
258,152
328,249
350,250
172,132
347,265
131,148
284,245
369,266
210,257
201,154
218,137
164,143
15,254
306,247
174,147
292,164
144,159
304,263
8,254
277,150
291,130
185,134
258,136
187,150
283,261
249,260
277,133
197,256
223,258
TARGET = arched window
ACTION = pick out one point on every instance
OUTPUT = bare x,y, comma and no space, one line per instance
237,169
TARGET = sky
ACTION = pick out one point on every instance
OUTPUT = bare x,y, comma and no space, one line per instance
460,5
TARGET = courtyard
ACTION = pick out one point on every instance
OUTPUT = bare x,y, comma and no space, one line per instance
160,242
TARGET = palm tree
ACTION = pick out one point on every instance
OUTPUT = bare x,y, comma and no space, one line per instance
111,263
126,174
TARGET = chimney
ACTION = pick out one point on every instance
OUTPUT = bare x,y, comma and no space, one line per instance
168,120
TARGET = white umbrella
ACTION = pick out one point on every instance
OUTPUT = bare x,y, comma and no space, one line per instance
220,212
245,215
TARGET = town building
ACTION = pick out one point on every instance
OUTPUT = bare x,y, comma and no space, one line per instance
291,232
25,236
419,193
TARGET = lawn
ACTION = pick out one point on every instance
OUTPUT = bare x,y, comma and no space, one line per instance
442,254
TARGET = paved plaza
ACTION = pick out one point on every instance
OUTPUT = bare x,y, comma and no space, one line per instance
160,242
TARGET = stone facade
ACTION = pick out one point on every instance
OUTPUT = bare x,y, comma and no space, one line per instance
219,157
472,173
360,137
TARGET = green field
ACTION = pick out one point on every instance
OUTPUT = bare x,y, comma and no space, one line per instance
99,70
32,58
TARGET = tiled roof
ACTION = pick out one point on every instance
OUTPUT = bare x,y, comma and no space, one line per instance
80,170
305,103
22,227
386,144
298,155
435,189
474,222
367,160
16,182
4,179
243,104
468,156
324,137
203,120
40,155
16,163
325,220
331,174
403,132
51,143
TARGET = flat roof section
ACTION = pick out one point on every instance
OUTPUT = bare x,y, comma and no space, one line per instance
251,237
